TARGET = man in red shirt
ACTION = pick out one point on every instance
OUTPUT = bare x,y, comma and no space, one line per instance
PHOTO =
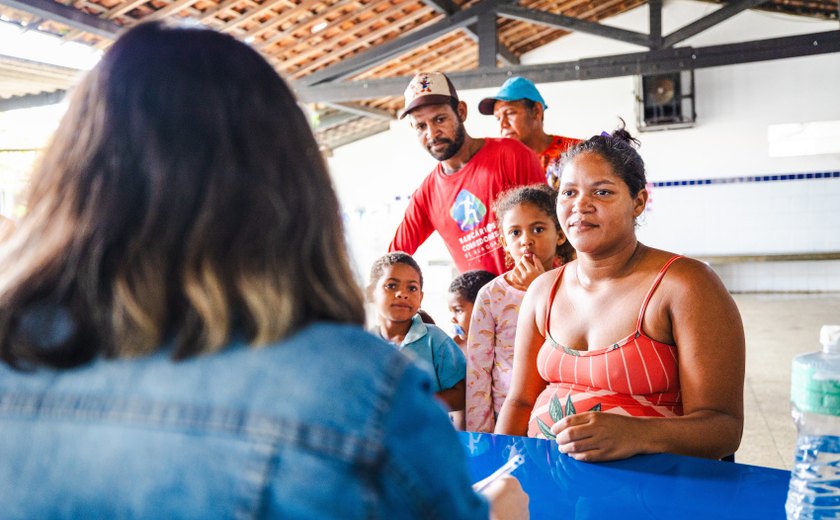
457,197
520,109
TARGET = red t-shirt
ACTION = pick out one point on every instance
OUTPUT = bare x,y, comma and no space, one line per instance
459,206
550,158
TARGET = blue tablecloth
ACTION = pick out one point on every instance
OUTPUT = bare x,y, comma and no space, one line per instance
646,486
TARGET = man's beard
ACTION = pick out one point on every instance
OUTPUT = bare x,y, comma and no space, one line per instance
452,146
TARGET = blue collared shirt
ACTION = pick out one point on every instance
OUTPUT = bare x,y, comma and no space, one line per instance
431,348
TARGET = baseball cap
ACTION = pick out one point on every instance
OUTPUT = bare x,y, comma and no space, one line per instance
428,88
513,89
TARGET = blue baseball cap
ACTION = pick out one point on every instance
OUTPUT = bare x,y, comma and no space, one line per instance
513,89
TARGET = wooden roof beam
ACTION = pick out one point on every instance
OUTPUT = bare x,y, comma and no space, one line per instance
362,110
32,100
569,23
488,40
503,52
654,61
731,8
655,24
447,7
393,48
66,15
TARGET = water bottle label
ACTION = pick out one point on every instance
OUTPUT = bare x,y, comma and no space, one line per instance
814,491
812,393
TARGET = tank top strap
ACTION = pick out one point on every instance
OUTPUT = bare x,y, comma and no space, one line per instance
653,288
551,295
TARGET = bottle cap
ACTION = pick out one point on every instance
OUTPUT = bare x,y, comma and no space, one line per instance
830,335
815,385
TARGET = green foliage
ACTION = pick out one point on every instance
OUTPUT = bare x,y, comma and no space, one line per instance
557,411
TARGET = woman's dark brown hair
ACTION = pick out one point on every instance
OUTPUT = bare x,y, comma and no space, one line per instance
183,197
618,149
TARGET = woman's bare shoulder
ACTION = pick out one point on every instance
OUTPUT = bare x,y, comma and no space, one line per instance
689,279
537,296
683,268
543,283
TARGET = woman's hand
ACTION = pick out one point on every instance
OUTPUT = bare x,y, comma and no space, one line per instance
597,436
508,501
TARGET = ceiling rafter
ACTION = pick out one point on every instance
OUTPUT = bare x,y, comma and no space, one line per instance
292,28
447,7
396,47
318,86
488,40
654,61
560,21
345,48
728,11
362,110
354,43
655,23
66,15
32,100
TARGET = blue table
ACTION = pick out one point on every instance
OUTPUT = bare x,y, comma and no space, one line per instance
646,486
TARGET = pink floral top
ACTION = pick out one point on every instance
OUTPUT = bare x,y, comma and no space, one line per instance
490,352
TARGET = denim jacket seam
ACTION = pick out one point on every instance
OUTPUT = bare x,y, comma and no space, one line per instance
423,506
345,445
256,475
385,388
388,386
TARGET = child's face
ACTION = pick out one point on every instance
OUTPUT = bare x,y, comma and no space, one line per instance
529,231
397,294
461,310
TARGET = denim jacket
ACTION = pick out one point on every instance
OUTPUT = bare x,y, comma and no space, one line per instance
329,423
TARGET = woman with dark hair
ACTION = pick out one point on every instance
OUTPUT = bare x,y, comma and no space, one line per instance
178,319
627,349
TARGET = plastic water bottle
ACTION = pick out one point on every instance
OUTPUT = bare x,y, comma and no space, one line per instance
814,491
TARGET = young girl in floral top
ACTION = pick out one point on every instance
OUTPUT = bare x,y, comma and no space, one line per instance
534,243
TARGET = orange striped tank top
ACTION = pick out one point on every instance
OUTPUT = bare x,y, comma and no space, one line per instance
635,376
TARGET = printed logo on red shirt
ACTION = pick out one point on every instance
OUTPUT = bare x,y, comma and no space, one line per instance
468,210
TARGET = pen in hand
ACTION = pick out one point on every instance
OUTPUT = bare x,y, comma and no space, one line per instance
506,469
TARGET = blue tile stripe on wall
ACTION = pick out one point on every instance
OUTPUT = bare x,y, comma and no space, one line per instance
750,178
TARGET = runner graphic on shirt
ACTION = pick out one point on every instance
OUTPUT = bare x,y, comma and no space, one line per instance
468,210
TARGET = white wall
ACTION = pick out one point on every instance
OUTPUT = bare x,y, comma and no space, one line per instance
734,105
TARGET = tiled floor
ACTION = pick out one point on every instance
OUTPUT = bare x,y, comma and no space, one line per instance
778,327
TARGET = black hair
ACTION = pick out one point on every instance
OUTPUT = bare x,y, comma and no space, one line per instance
466,285
618,149
528,103
541,196
387,260
454,102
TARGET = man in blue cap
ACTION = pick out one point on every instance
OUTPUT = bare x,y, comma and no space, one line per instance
456,199
520,109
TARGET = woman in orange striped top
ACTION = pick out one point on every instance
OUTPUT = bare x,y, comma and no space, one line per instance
627,349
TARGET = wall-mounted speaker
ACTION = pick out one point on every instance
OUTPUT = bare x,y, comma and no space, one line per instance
665,100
